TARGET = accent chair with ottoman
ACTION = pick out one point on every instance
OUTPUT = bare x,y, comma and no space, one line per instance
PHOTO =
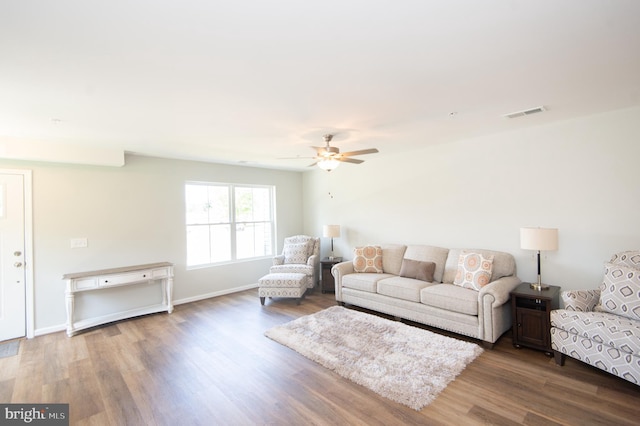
601,327
301,255
294,272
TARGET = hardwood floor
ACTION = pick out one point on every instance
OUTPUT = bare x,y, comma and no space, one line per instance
208,363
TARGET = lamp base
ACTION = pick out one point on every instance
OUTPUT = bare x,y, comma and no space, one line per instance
539,287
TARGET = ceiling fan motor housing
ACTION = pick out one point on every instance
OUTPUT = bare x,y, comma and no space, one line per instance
330,151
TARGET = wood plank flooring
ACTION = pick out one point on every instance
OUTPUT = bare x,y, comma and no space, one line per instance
208,363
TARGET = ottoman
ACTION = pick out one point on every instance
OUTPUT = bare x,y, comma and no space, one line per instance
282,285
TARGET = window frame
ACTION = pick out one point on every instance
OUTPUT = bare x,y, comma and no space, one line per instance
233,223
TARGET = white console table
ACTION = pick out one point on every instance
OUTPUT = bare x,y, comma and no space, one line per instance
115,277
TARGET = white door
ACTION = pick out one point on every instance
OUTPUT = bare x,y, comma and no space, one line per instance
12,246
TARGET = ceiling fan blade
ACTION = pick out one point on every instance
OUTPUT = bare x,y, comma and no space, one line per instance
312,164
361,152
349,160
294,158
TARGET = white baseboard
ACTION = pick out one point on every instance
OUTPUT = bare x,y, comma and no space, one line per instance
49,330
214,294
63,327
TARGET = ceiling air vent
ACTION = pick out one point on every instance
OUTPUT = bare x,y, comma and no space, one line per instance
525,112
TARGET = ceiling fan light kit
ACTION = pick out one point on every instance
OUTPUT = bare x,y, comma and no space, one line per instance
328,157
328,164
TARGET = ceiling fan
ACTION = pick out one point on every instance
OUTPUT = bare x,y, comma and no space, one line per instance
329,157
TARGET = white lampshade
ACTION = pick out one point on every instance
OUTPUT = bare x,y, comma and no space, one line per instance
328,164
543,239
331,231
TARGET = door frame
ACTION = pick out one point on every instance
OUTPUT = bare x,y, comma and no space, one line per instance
28,246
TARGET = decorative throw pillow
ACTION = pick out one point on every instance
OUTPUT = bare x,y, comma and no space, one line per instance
368,259
580,300
417,269
474,270
621,292
296,253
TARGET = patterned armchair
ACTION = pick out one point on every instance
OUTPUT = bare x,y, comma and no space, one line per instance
300,254
601,327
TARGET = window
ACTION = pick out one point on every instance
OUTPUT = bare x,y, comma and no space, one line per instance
227,222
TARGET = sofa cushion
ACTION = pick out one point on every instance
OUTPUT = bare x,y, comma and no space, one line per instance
296,253
422,271
363,281
504,265
292,268
402,288
474,270
620,294
451,298
424,253
601,327
392,255
367,259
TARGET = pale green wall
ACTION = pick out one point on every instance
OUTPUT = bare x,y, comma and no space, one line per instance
581,176
134,215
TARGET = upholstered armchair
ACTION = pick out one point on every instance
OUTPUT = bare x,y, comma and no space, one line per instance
601,327
300,254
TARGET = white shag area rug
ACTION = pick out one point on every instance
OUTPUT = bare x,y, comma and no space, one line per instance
406,364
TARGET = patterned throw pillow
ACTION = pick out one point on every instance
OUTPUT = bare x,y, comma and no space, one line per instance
296,253
368,259
580,300
474,270
621,292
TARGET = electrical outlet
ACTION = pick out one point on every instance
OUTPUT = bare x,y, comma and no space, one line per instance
79,243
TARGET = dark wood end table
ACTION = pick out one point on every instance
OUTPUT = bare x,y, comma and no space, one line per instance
327,282
530,311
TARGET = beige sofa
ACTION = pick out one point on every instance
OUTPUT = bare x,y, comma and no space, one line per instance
484,314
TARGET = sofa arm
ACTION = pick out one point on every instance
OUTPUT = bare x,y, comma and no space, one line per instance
499,290
494,311
278,260
580,300
338,271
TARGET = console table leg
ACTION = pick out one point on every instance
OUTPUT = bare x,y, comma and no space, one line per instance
70,308
169,294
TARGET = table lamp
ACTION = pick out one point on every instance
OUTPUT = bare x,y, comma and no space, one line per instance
331,231
539,239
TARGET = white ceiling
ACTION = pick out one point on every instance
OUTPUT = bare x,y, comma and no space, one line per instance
251,81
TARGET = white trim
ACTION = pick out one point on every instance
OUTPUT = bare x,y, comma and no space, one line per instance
28,246
49,330
215,294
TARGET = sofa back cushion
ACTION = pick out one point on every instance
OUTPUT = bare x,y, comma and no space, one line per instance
392,255
621,292
504,265
424,253
629,258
